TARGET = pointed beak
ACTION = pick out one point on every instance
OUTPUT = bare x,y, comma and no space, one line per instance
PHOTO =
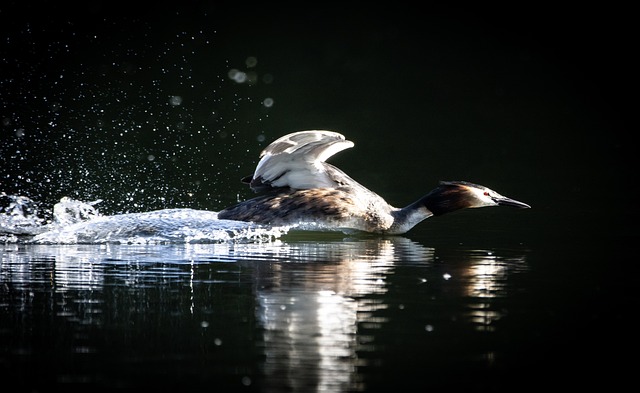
512,202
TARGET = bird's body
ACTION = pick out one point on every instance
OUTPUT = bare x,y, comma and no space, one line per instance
299,187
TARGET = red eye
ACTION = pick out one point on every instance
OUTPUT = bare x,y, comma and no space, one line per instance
486,193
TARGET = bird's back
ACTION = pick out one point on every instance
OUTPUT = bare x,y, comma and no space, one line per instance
322,207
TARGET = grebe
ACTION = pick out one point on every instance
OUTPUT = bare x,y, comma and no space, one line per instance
299,187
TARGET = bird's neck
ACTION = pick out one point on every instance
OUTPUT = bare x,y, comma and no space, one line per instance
406,218
441,200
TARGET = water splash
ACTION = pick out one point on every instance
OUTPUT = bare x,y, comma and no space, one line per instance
18,215
77,222
70,211
142,125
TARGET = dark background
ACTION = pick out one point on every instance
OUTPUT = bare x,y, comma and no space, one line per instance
534,102
529,101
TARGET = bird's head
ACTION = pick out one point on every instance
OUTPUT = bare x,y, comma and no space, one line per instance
450,196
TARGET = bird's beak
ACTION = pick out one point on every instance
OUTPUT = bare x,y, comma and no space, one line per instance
512,202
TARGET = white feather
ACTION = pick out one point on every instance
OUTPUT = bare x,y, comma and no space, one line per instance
297,160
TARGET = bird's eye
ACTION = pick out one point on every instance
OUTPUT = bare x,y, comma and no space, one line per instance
486,193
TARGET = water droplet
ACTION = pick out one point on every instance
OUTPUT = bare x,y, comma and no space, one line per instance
251,61
268,102
237,75
267,78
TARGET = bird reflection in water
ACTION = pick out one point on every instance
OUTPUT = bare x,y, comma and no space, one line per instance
310,312
319,317
323,309
486,278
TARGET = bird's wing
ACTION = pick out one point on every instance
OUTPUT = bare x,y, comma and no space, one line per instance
297,161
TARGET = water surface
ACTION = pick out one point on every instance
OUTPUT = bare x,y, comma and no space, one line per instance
335,315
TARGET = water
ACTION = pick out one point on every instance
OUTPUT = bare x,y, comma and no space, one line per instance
291,310
330,314
122,136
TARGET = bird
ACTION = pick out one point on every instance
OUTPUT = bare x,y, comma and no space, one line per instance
297,187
